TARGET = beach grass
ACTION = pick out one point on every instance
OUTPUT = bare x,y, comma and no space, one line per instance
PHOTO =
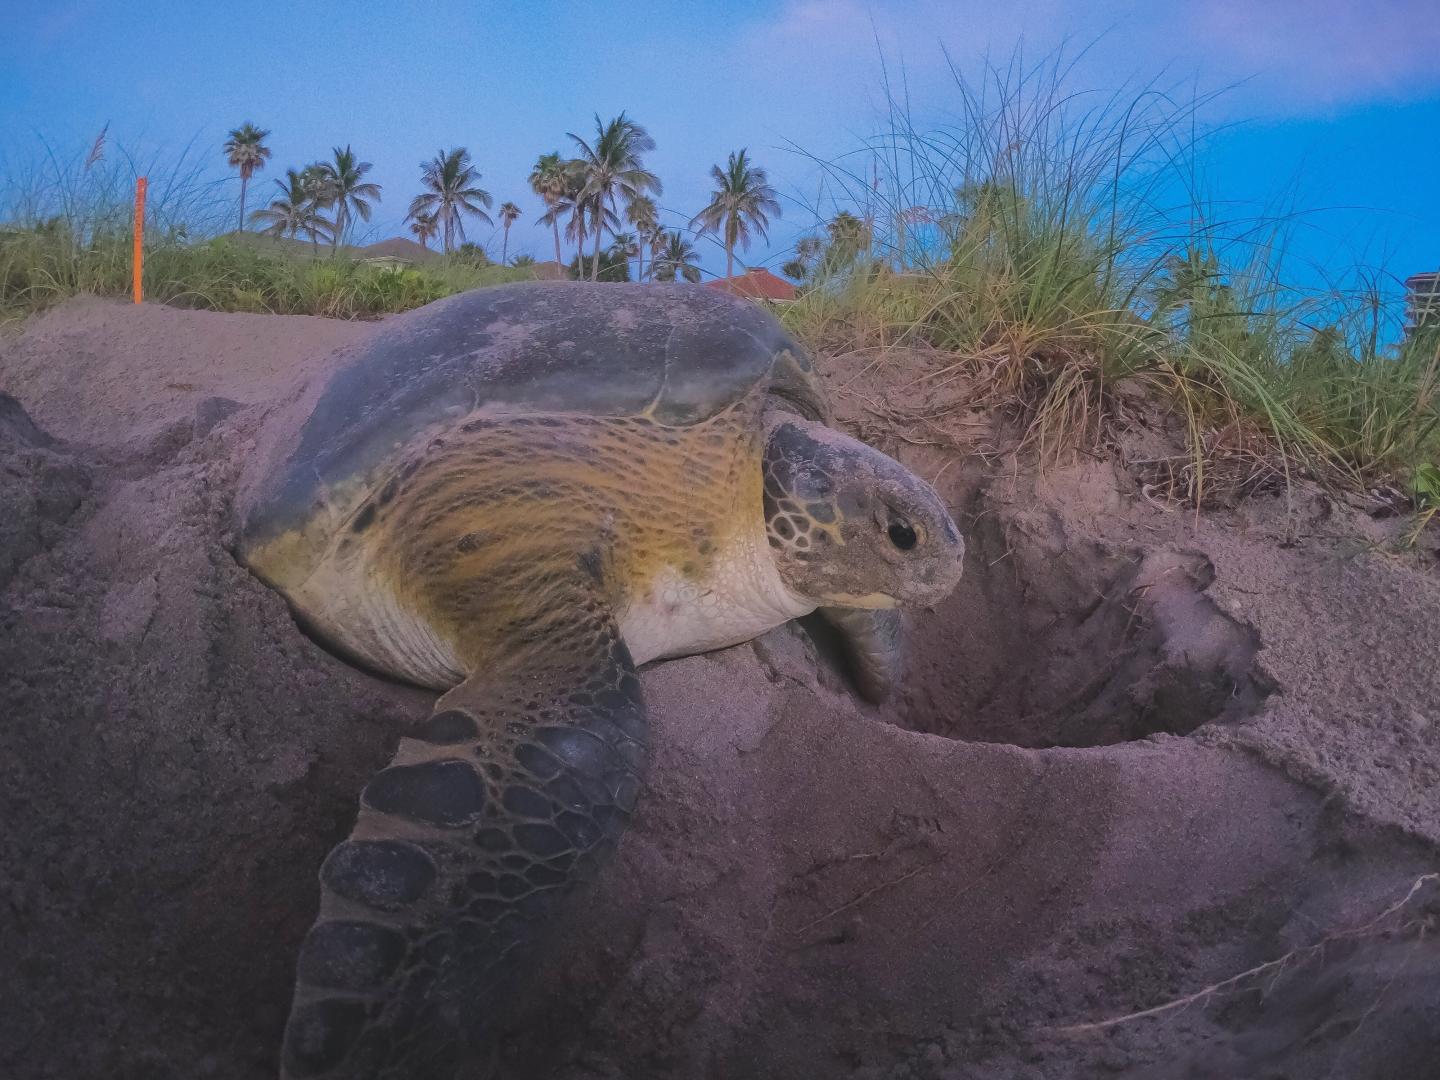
66,228
1051,246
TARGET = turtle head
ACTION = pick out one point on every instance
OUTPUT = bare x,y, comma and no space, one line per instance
849,526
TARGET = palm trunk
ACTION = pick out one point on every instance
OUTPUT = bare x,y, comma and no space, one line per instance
244,183
599,235
640,261
556,226
339,228
600,232
505,247
729,259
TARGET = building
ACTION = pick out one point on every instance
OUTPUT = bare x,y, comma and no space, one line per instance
757,283
396,254
1422,299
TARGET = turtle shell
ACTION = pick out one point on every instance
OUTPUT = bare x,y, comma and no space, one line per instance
678,354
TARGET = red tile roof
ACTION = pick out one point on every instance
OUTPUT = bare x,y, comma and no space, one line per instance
756,284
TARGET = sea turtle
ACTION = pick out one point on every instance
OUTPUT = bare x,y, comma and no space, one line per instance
516,496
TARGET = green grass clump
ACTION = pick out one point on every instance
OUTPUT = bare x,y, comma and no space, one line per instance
66,228
1050,244
39,267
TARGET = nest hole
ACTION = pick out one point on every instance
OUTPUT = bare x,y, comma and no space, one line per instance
1053,640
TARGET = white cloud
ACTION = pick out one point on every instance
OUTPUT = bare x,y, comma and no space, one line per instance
1303,54
1288,56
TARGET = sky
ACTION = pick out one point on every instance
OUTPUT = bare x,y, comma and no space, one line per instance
1326,104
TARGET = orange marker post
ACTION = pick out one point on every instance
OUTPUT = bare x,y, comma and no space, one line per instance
140,239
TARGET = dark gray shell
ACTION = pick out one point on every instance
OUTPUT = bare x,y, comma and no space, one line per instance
677,353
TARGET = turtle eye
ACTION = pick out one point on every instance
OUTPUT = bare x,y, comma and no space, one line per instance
902,535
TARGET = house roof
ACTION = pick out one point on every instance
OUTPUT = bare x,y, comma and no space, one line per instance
398,247
757,283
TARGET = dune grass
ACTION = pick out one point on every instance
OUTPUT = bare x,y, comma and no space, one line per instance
66,229
39,267
1050,246
1036,255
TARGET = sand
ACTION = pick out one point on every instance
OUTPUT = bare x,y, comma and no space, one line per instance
1139,753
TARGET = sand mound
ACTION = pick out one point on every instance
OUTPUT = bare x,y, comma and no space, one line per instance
1137,755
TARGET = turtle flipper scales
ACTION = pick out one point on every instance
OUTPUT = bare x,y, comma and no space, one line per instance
874,644
518,784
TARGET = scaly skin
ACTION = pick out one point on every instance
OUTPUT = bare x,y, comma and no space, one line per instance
518,786
502,556
470,517
516,540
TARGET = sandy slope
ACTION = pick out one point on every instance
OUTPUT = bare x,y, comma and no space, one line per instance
1138,754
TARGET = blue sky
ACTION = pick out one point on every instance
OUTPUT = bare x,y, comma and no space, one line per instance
1332,102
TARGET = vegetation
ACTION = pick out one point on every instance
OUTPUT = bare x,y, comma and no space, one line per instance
1045,257
807,255
611,167
743,202
508,213
424,226
676,257
42,266
246,151
342,187
1047,253
614,264
294,212
450,193
640,212
550,181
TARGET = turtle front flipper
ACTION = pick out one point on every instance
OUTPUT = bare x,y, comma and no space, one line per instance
516,786
874,645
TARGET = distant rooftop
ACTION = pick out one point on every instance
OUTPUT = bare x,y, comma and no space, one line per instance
397,249
756,283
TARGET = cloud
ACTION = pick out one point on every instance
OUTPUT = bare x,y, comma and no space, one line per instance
1288,57
1303,54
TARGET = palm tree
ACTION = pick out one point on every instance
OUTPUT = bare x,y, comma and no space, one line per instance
562,207
807,254
742,200
640,212
347,190
293,212
424,226
522,261
612,165
579,207
508,213
568,205
626,246
449,180
315,181
849,235
675,256
245,150
550,179
473,254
